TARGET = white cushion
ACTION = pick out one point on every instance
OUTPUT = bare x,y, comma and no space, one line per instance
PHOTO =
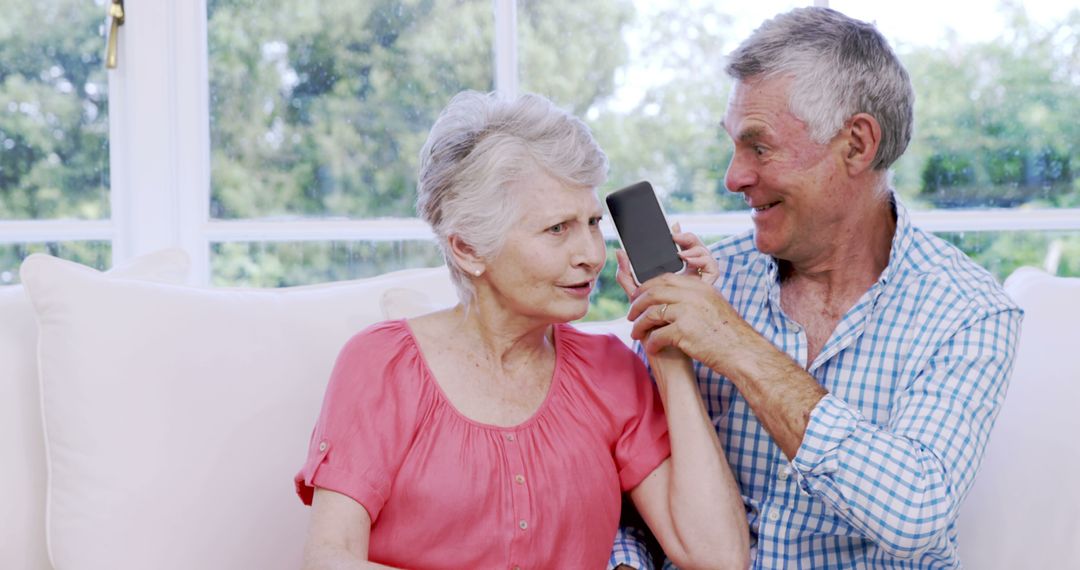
619,327
22,452
176,417
1024,509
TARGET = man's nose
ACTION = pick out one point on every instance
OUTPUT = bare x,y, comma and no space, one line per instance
740,173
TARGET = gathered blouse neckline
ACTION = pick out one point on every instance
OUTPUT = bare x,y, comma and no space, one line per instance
556,378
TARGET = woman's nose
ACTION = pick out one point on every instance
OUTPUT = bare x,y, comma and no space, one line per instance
591,251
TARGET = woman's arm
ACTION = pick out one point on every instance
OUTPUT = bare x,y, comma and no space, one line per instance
691,501
338,534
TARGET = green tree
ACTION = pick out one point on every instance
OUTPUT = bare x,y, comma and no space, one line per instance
53,111
994,122
54,149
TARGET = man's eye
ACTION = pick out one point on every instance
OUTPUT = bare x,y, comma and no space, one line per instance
594,221
557,228
759,150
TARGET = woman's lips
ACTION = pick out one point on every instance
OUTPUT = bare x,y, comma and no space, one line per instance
578,289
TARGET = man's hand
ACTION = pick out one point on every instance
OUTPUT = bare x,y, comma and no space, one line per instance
686,312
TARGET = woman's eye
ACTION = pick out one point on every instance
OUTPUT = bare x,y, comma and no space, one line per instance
595,221
557,228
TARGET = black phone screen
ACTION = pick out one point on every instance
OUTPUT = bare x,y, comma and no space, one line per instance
643,231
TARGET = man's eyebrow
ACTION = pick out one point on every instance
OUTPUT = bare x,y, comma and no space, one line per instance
751,134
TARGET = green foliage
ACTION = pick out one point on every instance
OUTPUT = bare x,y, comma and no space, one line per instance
671,135
1003,252
995,121
53,111
275,264
97,254
320,108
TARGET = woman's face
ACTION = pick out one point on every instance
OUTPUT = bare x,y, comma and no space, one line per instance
552,255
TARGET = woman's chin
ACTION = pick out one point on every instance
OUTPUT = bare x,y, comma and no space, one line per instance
568,316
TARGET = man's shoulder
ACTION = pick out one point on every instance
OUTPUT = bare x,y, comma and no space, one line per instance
736,250
942,270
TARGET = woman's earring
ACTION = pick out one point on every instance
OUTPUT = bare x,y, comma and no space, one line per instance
478,272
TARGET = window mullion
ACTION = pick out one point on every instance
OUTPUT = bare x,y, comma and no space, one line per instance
159,133
506,52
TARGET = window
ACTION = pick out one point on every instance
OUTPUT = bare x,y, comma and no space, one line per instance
276,141
54,145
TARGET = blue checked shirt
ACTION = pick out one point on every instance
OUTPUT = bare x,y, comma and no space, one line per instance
916,372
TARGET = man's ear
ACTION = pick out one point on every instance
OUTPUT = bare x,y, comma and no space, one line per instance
465,256
863,136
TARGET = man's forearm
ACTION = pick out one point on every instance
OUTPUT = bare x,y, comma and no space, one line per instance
781,393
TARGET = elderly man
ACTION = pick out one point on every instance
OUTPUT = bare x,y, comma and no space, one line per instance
852,363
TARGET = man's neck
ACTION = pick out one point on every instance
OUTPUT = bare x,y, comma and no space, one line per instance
848,264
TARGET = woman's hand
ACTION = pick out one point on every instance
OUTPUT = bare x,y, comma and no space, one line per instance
698,258
699,261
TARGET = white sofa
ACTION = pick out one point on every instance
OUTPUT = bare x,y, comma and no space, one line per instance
148,424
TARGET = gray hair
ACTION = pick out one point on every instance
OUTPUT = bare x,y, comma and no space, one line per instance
840,66
482,144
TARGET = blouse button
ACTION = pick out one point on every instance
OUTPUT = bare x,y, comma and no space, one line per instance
520,479
509,437
322,446
524,525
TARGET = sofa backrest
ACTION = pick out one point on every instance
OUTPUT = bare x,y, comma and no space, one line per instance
175,417
1024,509
22,449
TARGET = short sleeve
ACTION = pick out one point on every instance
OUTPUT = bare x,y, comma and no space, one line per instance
368,418
643,444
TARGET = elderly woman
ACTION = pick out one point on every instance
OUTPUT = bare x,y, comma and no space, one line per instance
493,434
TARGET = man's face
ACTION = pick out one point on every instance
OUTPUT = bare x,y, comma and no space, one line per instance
794,185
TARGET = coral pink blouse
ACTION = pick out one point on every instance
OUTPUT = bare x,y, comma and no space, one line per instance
444,491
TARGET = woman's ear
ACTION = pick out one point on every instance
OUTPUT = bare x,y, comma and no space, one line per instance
863,136
465,256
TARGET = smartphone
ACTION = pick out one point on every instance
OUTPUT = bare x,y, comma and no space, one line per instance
643,231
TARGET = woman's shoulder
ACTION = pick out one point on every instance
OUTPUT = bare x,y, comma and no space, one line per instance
597,351
379,335
386,350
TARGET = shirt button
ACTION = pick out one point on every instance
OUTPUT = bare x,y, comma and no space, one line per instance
322,446
523,525
784,473
520,479
774,515
509,437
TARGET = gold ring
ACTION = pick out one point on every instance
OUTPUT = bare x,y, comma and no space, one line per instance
663,311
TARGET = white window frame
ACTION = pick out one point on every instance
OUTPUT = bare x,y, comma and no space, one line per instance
159,128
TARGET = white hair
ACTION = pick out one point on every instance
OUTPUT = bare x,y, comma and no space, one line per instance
840,67
480,145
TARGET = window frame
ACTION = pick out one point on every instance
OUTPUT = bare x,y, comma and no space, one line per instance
159,129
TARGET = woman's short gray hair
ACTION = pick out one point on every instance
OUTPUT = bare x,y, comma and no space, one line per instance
840,66
482,144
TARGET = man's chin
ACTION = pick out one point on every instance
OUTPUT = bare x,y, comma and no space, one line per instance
764,244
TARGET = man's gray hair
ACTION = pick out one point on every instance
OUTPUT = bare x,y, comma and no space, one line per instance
481,145
840,66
